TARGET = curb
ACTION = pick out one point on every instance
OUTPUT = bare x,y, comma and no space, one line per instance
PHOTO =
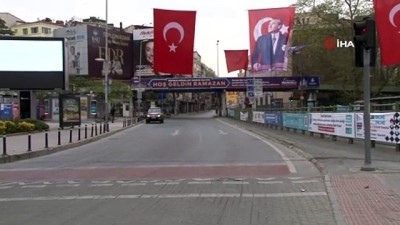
38,153
334,202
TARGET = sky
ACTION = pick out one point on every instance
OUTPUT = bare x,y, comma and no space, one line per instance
223,20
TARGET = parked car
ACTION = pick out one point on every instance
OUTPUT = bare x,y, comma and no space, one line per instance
155,114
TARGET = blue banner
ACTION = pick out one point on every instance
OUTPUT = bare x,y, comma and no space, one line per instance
6,111
273,118
295,120
228,83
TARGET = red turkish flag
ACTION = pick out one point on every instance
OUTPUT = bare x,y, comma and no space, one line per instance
174,41
387,16
236,59
270,31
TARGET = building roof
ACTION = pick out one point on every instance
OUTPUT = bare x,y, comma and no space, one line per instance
10,19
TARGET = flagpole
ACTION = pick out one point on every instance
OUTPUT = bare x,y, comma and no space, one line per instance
218,58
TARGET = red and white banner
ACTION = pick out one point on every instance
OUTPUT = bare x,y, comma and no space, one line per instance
270,31
174,41
236,59
387,18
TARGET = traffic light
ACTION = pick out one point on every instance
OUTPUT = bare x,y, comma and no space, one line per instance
364,38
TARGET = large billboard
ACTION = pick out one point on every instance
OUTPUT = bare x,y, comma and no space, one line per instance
119,52
143,52
31,63
77,51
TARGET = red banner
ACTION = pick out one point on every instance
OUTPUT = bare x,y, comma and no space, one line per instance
174,41
236,59
269,34
388,24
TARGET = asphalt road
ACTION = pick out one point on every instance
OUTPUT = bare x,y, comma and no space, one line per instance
193,169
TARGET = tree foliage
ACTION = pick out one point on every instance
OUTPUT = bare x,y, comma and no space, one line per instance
334,18
4,30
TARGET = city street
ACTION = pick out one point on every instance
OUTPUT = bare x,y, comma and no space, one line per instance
193,169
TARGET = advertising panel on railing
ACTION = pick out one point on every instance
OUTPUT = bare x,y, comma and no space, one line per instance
258,117
231,112
273,118
295,120
338,124
244,116
385,127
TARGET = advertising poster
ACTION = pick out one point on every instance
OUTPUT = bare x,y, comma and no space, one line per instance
69,110
84,107
231,113
231,99
385,127
77,49
339,124
6,111
295,120
258,117
120,54
273,118
244,116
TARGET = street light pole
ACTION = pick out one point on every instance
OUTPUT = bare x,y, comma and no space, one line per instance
218,58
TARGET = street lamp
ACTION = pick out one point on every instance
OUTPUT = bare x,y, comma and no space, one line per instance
139,92
105,68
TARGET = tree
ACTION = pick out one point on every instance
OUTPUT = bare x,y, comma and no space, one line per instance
4,30
334,18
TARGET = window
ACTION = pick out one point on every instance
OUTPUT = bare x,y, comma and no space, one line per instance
46,30
34,30
25,31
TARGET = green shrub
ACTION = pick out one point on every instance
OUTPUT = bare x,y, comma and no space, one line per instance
39,125
25,127
11,127
2,128
2,123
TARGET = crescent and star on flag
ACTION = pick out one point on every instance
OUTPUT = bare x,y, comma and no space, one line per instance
173,25
393,13
258,27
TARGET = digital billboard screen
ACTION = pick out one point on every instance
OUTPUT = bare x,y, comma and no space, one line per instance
28,63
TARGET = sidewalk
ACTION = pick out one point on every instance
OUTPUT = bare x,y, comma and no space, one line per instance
17,145
357,197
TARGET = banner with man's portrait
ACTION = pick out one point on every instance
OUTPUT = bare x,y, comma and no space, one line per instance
270,32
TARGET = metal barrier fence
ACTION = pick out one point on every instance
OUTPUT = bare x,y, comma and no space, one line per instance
246,115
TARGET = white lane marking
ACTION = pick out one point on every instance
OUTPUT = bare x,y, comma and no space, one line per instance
234,182
222,132
175,133
134,184
270,182
166,183
295,178
5,187
199,182
34,186
304,181
289,163
67,185
101,182
101,185
268,178
192,195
